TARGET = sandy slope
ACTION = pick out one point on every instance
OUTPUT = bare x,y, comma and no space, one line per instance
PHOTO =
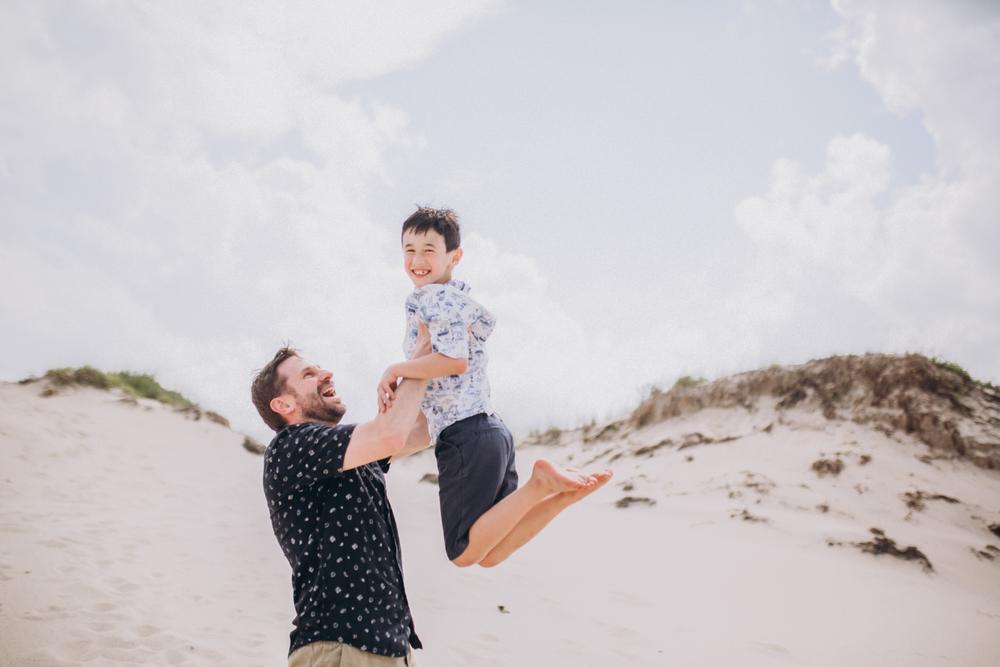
130,535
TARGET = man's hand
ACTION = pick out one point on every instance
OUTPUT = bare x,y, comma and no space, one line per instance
390,380
387,390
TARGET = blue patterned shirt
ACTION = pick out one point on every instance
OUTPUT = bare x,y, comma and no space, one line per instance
459,327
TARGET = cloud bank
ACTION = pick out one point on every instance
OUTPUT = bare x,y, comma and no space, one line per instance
184,189
859,262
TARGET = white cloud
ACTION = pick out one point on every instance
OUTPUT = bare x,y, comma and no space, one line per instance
183,187
910,266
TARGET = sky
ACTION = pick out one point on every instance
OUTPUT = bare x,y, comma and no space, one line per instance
647,190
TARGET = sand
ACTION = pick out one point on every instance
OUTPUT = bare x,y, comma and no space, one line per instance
130,534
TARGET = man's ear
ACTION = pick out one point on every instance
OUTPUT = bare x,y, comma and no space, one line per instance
284,405
456,257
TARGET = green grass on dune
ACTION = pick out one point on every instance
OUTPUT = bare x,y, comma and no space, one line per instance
140,385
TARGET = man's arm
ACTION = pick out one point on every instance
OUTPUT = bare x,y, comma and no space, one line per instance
418,439
386,435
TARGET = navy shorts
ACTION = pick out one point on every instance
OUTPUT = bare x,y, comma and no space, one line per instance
475,458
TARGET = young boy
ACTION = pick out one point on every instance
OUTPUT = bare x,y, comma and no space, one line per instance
485,516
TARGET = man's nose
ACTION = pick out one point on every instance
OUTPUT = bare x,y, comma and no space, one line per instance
326,376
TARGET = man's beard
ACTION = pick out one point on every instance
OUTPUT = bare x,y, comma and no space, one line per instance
314,409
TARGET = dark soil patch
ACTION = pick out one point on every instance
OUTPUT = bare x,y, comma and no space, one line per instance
882,545
628,501
989,552
995,529
608,431
651,449
747,516
253,446
865,459
430,478
601,456
824,467
915,499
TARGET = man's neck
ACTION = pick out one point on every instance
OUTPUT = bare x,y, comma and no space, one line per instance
309,420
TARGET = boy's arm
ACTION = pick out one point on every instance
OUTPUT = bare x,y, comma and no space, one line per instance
431,366
420,368
418,439
424,364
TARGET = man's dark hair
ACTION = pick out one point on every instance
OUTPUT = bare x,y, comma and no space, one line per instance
267,384
444,221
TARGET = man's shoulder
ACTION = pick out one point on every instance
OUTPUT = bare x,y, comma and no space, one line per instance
308,432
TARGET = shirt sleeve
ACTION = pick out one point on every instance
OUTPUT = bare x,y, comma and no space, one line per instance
441,311
311,453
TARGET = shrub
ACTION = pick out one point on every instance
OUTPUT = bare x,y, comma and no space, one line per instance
953,367
140,385
688,381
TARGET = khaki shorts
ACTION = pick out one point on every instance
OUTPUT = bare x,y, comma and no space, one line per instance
336,654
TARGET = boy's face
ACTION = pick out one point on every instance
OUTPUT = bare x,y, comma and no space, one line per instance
425,258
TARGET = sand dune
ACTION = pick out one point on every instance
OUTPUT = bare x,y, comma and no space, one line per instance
130,534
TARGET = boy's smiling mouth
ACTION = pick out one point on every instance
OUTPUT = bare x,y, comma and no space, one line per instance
421,273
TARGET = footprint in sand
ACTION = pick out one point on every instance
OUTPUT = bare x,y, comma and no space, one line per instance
100,626
146,630
770,649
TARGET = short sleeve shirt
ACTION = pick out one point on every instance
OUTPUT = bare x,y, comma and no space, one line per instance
339,535
458,326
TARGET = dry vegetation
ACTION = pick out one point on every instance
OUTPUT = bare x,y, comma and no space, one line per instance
937,402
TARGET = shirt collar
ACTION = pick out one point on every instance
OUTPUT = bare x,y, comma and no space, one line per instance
460,285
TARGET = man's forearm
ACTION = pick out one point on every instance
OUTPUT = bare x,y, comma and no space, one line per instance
418,439
405,408
429,366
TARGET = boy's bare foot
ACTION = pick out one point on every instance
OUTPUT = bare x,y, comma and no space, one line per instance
600,479
557,480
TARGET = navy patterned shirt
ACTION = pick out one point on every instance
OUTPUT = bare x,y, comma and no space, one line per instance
339,535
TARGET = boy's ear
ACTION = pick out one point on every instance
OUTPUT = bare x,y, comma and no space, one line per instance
456,257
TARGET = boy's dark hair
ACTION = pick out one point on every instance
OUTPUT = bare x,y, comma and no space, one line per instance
444,221
267,384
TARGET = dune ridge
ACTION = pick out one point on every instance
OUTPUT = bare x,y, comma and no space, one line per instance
844,511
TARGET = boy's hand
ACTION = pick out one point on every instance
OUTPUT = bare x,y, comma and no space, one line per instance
389,382
386,390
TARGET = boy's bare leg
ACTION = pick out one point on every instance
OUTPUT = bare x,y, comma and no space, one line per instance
546,479
539,517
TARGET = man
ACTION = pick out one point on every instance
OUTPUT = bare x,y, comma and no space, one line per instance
325,489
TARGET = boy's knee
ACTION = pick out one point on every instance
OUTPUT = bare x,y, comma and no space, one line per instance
490,562
463,562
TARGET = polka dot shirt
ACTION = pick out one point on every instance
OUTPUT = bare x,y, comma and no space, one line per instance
339,535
